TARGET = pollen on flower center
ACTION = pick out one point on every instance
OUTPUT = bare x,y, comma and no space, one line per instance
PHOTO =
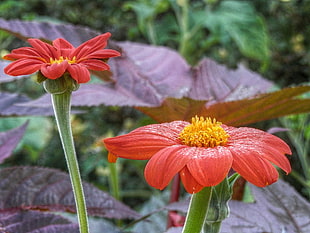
61,59
204,132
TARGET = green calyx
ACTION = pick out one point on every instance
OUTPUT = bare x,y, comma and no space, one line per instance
60,85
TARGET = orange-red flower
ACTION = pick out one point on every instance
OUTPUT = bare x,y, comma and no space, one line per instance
60,57
202,153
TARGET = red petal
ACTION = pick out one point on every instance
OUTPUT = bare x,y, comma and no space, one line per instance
45,50
103,53
64,47
144,142
79,73
253,167
23,66
90,46
266,145
277,158
55,70
210,166
250,136
24,52
189,182
165,164
94,64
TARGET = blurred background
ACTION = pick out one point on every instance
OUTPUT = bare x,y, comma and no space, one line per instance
270,37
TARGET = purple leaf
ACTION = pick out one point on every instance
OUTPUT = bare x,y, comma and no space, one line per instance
49,189
11,105
274,130
48,31
9,140
151,73
174,230
7,78
216,82
98,94
278,208
92,95
35,222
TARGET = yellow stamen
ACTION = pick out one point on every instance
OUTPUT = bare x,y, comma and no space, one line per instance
61,59
204,132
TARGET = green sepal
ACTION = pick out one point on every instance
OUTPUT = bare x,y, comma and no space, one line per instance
60,85
40,77
218,208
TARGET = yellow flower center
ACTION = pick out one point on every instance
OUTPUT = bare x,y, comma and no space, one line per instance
61,59
204,132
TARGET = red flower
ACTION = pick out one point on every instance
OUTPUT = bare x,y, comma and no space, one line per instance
202,153
60,57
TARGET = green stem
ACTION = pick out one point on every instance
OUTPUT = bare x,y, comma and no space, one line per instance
197,211
114,181
183,22
61,104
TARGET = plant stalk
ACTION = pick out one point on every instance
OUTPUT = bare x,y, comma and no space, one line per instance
114,181
62,105
197,212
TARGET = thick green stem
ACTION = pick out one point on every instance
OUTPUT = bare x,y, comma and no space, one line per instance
61,104
197,211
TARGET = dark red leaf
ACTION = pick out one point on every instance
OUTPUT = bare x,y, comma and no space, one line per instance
49,189
262,107
278,208
175,109
9,140
217,83
174,230
151,72
11,105
47,31
35,222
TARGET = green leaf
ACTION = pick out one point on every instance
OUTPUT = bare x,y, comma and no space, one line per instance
241,23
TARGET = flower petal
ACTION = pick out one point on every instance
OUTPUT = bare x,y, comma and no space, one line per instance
277,158
64,47
144,142
44,49
94,64
24,52
251,166
23,66
103,54
79,73
90,46
189,182
266,145
55,70
248,136
210,166
165,164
